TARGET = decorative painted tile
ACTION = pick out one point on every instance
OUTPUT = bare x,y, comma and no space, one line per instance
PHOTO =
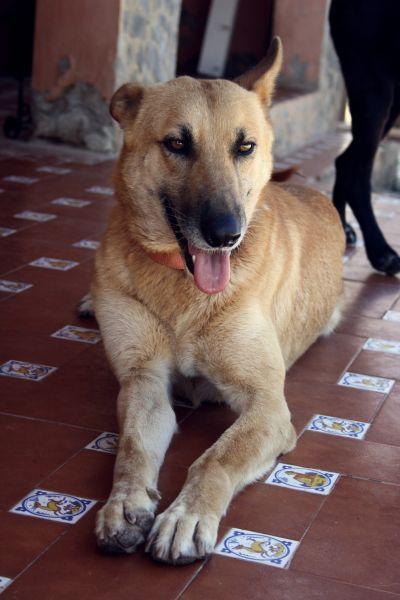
20,179
367,382
14,287
99,189
337,426
6,231
71,202
35,216
54,170
78,334
25,370
257,547
302,478
382,346
90,244
392,315
105,442
54,263
4,582
43,504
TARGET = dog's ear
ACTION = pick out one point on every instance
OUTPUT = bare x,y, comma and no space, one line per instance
125,103
261,78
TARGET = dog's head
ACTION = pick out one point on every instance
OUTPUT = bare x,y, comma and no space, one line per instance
196,156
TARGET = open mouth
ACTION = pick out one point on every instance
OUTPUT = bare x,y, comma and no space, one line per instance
210,269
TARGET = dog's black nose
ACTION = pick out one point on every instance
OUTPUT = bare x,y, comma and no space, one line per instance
221,230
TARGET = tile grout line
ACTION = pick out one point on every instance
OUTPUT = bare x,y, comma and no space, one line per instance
391,306
315,516
50,422
28,566
192,578
48,475
355,585
354,357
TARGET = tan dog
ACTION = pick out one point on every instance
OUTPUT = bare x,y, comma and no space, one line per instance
193,197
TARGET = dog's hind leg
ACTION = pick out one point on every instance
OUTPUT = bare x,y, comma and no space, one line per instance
138,350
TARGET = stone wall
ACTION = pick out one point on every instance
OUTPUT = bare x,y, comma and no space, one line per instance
73,71
82,56
147,41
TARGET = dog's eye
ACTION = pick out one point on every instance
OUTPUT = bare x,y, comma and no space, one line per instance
175,145
245,148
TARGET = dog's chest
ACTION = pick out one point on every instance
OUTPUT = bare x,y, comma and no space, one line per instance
186,347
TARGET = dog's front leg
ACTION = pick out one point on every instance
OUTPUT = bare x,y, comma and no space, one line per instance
138,350
252,381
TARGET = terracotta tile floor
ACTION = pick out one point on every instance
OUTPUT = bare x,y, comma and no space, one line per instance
349,538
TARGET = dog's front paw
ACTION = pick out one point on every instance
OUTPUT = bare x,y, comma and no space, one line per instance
181,535
120,528
85,308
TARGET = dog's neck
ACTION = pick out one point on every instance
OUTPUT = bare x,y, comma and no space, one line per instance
173,260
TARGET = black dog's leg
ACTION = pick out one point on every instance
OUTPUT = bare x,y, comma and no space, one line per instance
353,175
366,40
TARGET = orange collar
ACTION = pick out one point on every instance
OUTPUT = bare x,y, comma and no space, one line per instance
173,260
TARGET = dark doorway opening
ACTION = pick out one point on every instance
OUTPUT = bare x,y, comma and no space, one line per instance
17,24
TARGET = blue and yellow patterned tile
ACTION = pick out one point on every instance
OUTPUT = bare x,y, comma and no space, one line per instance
257,548
314,481
20,179
89,244
53,506
25,370
57,264
72,202
366,382
4,583
377,345
392,315
30,215
105,442
54,170
99,189
6,231
78,334
337,426
13,287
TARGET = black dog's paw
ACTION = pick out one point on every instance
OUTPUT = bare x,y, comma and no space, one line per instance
351,236
386,261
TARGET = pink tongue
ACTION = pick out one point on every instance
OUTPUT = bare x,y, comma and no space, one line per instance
212,270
